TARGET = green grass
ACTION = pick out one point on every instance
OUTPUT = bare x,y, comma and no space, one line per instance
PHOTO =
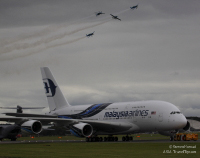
96,149
91,150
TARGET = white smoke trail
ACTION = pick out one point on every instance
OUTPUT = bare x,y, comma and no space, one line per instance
15,56
21,46
46,31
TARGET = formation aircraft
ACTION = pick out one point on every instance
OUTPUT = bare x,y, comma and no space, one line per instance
99,13
115,17
90,121
134,7
90,34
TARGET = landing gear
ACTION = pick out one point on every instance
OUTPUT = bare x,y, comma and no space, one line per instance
108,139
94,139
127,138
100,139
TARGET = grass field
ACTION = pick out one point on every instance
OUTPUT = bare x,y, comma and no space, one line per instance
100,150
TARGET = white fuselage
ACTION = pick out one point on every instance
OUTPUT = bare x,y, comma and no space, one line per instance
144,116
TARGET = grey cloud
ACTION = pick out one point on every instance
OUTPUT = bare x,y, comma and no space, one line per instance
153,53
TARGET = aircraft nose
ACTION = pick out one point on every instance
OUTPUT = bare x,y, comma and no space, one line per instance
183,121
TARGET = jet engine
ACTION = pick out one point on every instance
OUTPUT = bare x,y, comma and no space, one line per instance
32,126
81,130
187,127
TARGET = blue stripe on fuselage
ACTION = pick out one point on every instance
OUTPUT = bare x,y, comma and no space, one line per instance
93,108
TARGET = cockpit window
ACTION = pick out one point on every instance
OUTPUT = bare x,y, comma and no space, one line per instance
175,112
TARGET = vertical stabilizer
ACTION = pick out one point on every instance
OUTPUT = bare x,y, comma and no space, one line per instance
54,95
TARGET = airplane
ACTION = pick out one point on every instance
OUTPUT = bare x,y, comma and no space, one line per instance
134,7
90,121
9,131
90,34
99,13
115,17
19,108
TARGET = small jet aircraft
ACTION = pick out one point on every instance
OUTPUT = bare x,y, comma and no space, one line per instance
134,7
115,17
99,13
90,34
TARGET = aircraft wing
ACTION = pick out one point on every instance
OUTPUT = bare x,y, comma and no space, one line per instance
29,115
97,125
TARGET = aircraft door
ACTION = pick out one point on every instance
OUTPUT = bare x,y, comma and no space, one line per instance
160,117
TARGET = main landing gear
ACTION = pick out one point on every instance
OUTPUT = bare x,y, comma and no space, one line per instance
108,139
127,138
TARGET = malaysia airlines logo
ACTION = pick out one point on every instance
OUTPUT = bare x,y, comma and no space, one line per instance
49,87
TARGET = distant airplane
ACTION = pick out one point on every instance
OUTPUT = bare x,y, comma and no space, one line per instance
90,34
134,7
19,108
9,131
99,13
115,17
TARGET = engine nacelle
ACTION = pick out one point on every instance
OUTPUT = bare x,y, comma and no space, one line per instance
81,130
187,127
32,126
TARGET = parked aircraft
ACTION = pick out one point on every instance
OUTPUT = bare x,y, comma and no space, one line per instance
99,13
90,34
19,108
90,121
9,131
134,7
115,17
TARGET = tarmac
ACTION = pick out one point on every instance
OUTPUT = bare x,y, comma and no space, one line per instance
83,141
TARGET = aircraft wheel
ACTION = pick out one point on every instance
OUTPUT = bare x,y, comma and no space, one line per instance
93,139
90,139
100,139
112,138
105,139
87,139
127,138
184,137
171,138
116,139
123,139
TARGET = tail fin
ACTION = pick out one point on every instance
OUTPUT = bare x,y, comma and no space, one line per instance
54,95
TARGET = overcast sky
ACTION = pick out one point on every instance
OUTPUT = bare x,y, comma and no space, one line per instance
152,54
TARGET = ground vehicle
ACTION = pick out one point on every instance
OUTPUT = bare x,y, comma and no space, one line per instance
184,137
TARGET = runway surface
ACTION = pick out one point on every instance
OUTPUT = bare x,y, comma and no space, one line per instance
83,141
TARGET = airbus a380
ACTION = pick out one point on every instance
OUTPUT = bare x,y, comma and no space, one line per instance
90,121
